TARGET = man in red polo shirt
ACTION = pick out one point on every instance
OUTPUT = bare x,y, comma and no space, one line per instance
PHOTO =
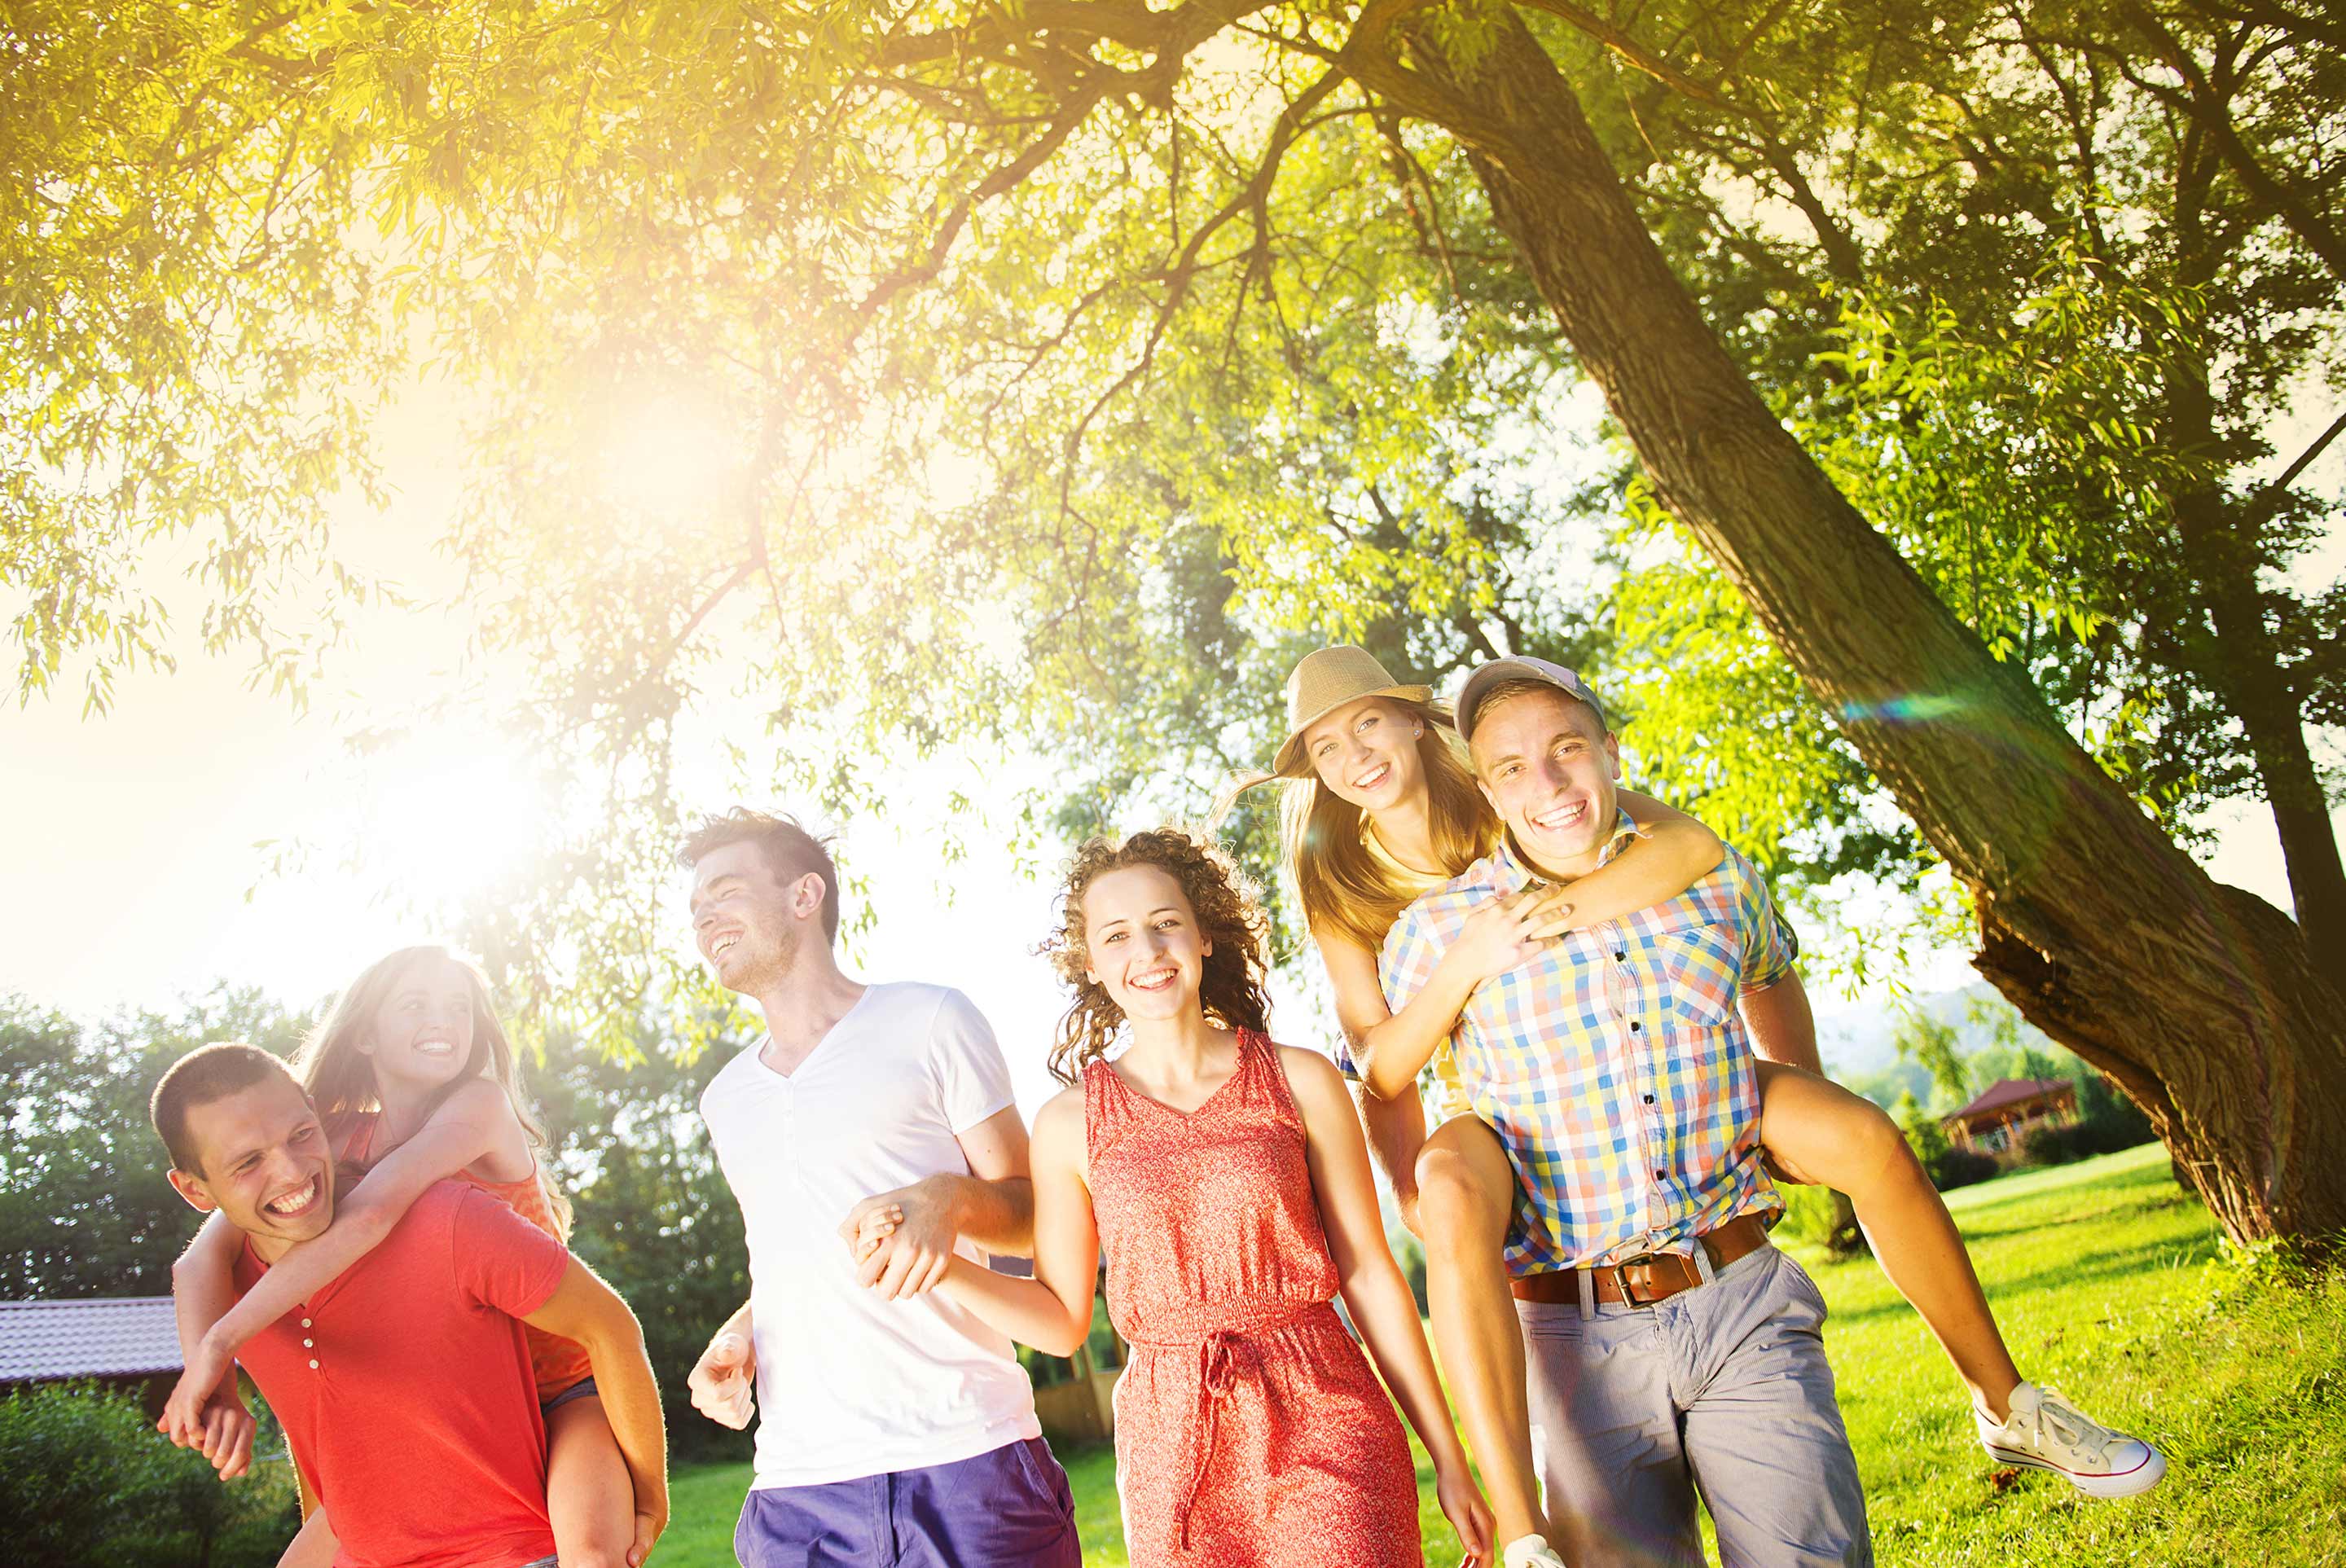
404,1386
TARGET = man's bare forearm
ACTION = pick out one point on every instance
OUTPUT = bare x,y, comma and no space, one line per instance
999,1215
738,1323
631,1403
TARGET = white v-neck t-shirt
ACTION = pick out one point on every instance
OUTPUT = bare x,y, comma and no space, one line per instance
849,1384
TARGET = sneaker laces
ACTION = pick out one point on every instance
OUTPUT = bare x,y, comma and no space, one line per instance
2071,1428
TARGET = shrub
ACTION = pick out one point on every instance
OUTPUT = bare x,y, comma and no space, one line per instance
1947,1166
90,1482
2106,1122
1962,1167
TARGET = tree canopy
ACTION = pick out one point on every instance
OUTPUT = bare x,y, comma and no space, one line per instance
1076,365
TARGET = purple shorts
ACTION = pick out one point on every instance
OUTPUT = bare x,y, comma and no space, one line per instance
1010,1508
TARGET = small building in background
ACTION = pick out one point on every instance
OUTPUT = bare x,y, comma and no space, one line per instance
130,1343
2001,1118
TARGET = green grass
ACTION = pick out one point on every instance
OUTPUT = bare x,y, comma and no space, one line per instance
2104,1278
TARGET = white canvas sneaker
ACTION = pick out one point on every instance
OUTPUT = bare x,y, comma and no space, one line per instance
2044,1431
1529,1552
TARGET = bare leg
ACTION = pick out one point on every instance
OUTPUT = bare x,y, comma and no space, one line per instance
588,1491
1466,1191
1817,1132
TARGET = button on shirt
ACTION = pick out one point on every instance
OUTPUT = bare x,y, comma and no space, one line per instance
404,1387
1614,1065
851,1385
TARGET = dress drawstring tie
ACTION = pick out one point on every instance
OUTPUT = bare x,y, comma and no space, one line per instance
1216,1374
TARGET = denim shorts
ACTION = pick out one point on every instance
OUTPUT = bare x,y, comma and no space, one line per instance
584,1388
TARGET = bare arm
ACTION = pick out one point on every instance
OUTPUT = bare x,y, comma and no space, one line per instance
1783,1028
203,1280
993,1206
584,1308
1391,1048
724,1380
1672,853
209,1416
473,1123
1371,1283
1052,1311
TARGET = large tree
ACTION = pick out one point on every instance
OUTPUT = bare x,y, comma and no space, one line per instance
1058,342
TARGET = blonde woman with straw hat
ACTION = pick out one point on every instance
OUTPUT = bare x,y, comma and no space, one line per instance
1381,807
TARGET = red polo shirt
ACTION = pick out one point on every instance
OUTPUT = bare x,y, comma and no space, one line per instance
405,1388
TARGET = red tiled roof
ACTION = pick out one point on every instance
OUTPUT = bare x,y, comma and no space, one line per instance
119,1336
2009,1092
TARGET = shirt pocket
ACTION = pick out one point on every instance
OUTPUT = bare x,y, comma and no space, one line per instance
1698,969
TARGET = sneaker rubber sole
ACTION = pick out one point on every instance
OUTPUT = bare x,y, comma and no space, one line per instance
2118,1484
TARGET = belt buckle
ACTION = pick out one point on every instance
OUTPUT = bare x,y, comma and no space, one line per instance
1646,1261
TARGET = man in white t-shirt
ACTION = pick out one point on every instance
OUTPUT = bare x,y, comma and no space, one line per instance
897,1429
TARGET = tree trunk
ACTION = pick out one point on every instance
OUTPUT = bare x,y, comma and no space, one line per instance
2245,670
2242,664
2198,999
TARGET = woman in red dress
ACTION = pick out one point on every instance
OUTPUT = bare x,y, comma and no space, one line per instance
1226,1178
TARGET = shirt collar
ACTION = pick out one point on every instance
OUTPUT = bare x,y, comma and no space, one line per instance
1515,868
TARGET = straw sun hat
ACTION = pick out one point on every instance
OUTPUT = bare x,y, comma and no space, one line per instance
1324,682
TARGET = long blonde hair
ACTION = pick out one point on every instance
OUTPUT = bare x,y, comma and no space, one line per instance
340,1077
1345,891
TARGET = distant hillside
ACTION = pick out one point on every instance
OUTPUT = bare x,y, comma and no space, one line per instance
1856,1040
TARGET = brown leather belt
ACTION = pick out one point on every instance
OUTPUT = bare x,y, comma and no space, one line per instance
1654,1277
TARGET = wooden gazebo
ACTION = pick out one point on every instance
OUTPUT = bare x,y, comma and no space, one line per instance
2005,1113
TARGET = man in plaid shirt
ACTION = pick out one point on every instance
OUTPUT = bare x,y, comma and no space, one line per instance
1670,1345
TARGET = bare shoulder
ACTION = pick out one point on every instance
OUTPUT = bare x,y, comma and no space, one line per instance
478,1099
1308,1072
481,1103
1060,1122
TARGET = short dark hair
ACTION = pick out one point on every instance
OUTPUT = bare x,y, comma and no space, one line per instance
790,850
206,1074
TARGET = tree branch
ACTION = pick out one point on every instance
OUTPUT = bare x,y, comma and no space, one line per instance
2212,111
2268,499
1637,55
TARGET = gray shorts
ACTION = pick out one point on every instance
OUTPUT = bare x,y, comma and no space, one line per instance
1723,1387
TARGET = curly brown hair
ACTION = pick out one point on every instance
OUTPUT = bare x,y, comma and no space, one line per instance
1228,916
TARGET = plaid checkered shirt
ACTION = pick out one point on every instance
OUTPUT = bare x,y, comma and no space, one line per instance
1614,1066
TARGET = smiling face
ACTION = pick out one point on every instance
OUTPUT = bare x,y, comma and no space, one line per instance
1548,769
747,922
1142,943
421,1035
263,1162
1366,752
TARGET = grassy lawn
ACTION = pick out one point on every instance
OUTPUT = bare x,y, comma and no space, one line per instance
2099,1275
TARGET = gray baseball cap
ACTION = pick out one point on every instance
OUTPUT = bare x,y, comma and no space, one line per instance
1485,676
